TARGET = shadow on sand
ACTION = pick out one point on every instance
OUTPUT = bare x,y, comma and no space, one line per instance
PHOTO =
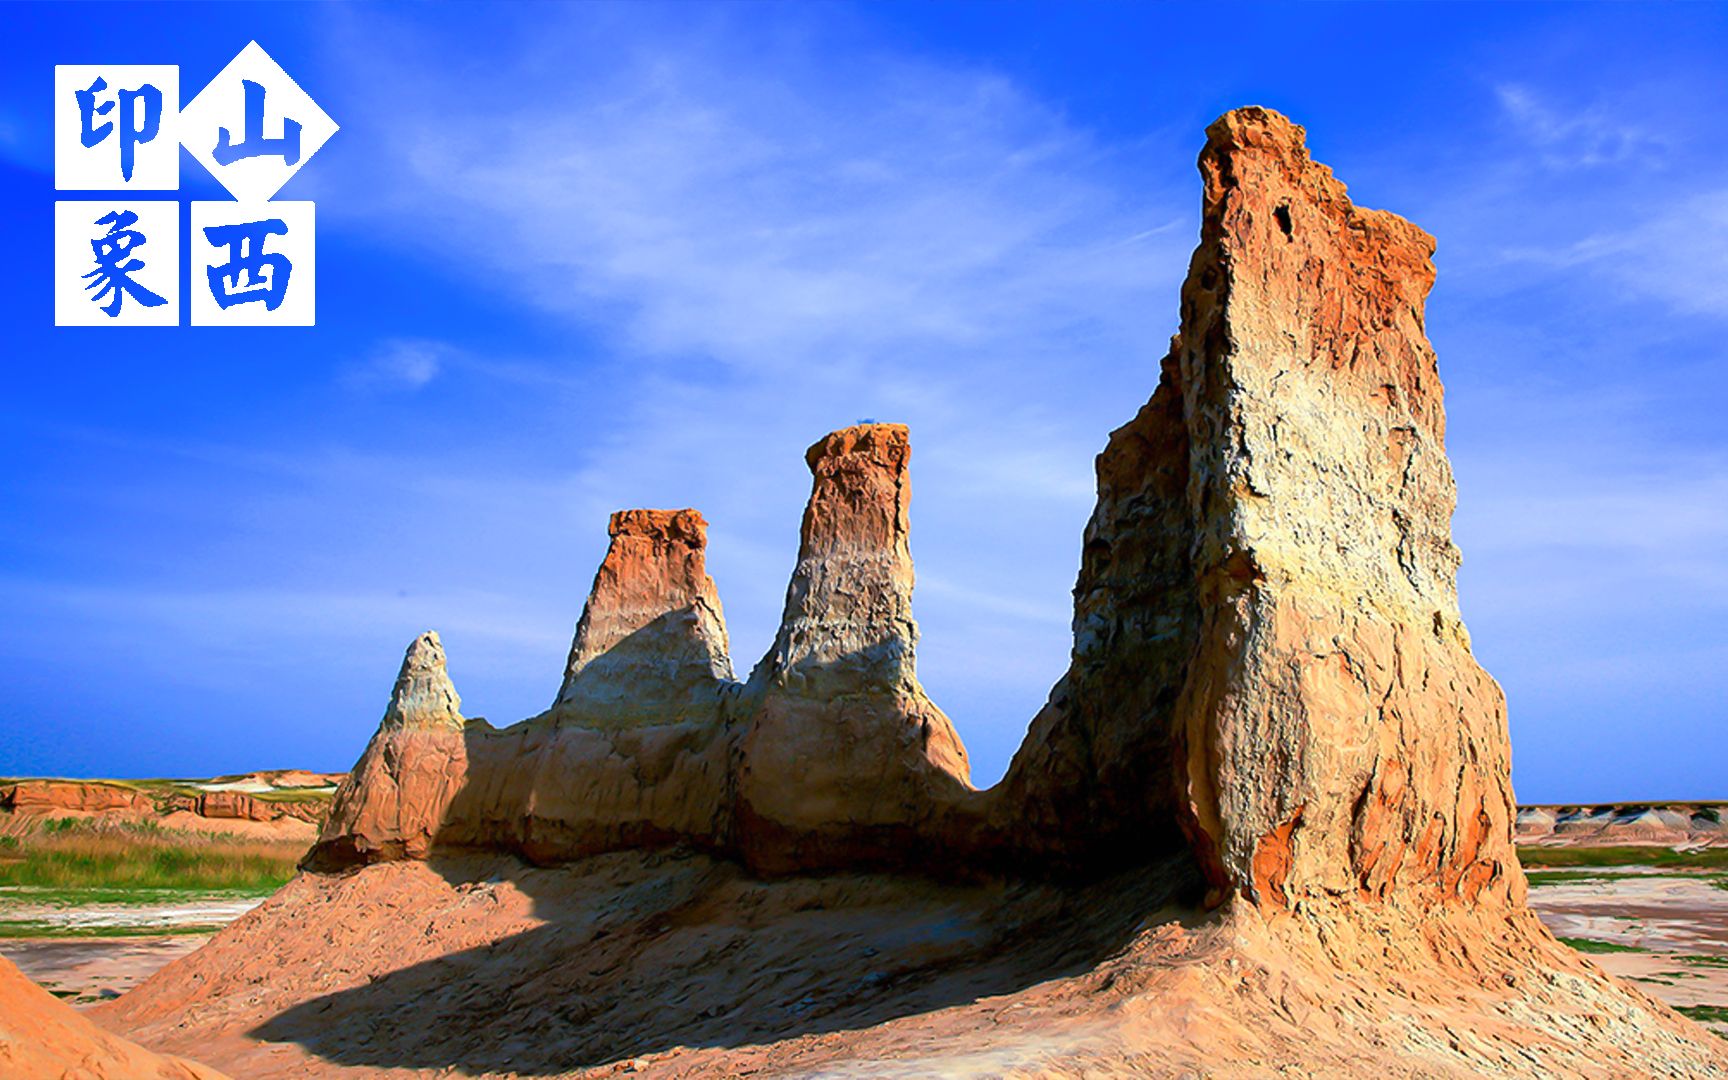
643,952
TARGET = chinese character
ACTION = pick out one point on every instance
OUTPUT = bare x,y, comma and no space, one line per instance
249,274
253,143
111,274
132,131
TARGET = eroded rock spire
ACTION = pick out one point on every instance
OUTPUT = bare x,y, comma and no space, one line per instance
651,644
845,752
424,697
393,803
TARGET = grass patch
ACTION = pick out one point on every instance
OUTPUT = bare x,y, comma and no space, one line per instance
85,895
1709,1014
1565,877
1701,960
30,928
1707,859
1591,945
97,854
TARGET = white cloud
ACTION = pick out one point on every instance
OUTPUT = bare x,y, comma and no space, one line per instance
1677,255
403,364
1578,138
762,253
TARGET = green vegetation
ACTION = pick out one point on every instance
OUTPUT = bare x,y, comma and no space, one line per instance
1665,858
1567,877
1700,960
1709,1014
1590,945
97,853
32,928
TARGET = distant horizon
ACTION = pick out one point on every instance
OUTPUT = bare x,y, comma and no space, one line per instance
573,259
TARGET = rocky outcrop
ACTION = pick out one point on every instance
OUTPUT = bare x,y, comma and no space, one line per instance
44,1039
1339,736
394,802
85,797
633,752
1269,668
244,806
844,758
651,645
1274,775
1631,824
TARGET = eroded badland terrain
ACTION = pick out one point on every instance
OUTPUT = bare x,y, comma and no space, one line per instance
1264,825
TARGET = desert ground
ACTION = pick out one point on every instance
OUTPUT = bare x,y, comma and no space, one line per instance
1653,914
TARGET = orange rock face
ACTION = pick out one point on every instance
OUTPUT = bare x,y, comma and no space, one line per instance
41,796
1339,735
651,645
844,757
42,1038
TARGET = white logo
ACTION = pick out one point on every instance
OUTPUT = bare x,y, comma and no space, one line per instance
253,127
117,263
116,127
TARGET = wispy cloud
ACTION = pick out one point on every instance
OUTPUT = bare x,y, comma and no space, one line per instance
761,256
1575,138
1677,255
401,364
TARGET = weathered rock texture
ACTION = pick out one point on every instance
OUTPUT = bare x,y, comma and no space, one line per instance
604,768
1262,827
844,757
651,645
394,802
46,796
1339,735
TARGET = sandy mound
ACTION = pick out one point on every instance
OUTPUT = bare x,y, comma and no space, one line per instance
689,967
43,1039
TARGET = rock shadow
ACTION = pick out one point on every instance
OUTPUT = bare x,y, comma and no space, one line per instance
642,952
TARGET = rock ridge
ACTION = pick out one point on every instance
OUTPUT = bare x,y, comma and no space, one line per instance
1263,823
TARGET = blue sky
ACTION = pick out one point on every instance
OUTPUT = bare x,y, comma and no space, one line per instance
579,258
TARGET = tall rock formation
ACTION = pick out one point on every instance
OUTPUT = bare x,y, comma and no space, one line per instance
845,758
394,802
1268,649
651,644
1263,824
1340,737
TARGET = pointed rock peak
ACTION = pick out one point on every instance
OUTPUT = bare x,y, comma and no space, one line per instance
844,752
651,645
424,697
848,615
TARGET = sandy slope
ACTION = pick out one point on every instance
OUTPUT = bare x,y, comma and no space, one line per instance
686,967
43,1039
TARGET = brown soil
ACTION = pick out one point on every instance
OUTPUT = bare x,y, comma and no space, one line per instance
684,966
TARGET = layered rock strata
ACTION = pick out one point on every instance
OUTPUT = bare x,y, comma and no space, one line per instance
651,645
844,759
1269,803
